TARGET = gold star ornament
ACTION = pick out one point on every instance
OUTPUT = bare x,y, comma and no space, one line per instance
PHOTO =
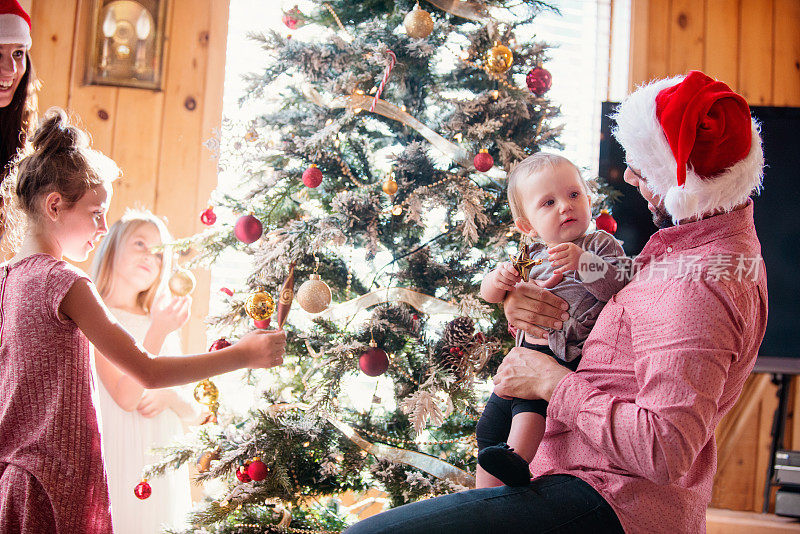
522,262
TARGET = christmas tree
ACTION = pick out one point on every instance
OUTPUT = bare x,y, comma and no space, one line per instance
378,185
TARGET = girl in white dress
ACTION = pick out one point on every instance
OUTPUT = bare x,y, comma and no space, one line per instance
129,271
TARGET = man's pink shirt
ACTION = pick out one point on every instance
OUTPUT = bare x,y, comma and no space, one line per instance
666,360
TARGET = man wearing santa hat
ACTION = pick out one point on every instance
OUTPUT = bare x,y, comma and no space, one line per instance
629,443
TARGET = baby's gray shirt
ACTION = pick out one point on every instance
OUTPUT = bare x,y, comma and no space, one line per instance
586,299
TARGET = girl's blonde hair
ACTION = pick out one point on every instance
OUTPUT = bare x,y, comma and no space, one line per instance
532,165
107,255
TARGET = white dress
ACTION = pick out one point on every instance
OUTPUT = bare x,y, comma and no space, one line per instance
127,440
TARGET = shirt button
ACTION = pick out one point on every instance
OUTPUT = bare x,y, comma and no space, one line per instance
669,249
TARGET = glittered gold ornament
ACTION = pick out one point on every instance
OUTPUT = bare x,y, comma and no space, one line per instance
390,187
204,462
260,305
418,23
207,394
314,295
251,135
182,282
397,210
499,59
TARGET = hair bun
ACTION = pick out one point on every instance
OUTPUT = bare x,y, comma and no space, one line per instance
56,133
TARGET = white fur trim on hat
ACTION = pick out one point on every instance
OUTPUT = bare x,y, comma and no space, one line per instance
647,150
14,30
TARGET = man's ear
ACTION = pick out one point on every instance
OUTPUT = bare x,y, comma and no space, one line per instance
524,226
53,205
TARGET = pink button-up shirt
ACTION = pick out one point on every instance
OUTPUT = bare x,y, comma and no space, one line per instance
667,358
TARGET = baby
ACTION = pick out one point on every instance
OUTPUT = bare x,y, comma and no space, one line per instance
550,203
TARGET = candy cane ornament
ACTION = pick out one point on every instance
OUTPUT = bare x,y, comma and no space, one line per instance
389,67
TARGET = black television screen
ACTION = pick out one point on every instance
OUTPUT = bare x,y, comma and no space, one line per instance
777,216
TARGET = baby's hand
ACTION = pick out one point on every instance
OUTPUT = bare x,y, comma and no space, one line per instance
506,276
565,256
263,348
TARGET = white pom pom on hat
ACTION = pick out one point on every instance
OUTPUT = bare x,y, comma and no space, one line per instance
694,142
15,24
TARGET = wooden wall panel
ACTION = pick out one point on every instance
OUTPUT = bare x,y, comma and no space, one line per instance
154,136
786,74
52,32
687,30
752,45
658,39
756,52
721,34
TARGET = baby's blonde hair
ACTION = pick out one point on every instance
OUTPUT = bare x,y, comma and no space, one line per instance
529,166
106,257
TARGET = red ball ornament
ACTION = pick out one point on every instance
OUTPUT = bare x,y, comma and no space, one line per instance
606,222
248,229
312,176
257,470
539,81
142,490
262,324
483,160
221,343
374,362
242,475
208,217
292,18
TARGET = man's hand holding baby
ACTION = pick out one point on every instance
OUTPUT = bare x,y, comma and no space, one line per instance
565,256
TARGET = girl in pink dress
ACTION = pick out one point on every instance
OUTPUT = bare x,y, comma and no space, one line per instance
52,478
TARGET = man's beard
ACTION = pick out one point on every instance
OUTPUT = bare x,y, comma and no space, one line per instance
661,218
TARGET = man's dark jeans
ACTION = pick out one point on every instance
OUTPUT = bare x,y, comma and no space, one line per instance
553,503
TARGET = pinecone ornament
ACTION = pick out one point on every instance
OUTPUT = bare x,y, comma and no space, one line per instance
459,332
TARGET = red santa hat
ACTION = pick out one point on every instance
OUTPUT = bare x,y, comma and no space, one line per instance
694,142
15,24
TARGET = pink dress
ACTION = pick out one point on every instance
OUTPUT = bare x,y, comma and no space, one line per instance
51,467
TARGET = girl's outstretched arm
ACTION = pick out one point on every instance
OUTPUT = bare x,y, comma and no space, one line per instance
127,392
83,305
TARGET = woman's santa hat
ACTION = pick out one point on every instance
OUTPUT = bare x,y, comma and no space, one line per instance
15,24
694,142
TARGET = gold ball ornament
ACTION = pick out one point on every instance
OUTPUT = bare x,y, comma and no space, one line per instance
207,394
418,23
260,305
182,282
314,295
204,463
390,187
499,59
